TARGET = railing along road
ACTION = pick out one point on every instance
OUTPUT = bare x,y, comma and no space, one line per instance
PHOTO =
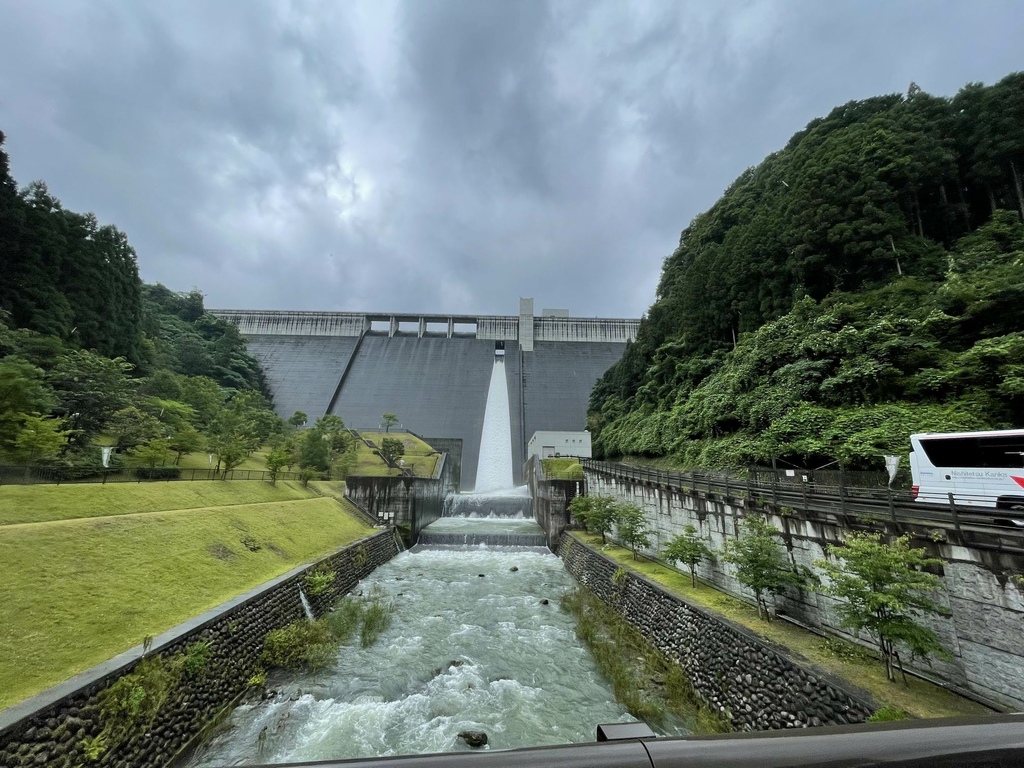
841,504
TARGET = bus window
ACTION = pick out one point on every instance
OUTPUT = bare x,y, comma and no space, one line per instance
978,452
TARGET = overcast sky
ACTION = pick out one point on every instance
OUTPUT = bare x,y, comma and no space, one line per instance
443,156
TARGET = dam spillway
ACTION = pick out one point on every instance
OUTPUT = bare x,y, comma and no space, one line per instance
433,370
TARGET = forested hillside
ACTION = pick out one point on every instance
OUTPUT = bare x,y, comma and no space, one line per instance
863,283
88,352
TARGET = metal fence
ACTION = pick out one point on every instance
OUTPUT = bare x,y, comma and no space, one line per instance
102,475
842,504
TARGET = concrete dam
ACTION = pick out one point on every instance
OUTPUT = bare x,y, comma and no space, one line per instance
433,371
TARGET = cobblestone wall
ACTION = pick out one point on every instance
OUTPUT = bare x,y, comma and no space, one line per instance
53,729
731,668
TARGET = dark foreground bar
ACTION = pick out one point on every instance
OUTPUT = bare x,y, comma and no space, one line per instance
995,742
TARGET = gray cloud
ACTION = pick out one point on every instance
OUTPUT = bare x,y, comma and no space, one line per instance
442,156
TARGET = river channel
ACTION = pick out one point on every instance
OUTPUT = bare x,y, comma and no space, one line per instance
472,646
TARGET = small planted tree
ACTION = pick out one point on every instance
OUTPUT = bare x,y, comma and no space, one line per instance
276,460
761,565
631,527
688,548
298,419
595,513
390,420
884,590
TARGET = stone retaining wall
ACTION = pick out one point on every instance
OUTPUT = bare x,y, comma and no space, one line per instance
732,669
50,729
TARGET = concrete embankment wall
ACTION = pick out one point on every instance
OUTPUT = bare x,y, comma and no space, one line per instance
984,626
550,500
728,666
52,729
415,502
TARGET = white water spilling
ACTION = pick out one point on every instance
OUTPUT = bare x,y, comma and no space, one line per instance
471,647
305,605
494,465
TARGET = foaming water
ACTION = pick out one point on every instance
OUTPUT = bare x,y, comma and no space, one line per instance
471,647
494,465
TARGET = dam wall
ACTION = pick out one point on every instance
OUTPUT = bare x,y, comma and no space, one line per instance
433,370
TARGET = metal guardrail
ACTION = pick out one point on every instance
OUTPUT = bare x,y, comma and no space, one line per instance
103,475
841,504
996,742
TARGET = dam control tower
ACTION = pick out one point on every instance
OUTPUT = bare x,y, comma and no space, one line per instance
433,371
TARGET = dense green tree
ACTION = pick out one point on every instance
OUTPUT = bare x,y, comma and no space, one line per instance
23,391
131,427
38,439
298,419
314,451
90,388
391,450
389,420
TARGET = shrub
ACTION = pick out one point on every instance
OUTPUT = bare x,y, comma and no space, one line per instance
158,473
318,582
194,659
344,619
302,644
887,714
136,698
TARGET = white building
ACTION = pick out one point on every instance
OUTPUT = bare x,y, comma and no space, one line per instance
544,445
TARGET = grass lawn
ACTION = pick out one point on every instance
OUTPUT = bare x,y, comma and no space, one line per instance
40,503
418,455
76,592
257,460
853,663
556,468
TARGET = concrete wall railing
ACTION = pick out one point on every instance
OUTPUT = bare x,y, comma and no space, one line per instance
54,728
253,322
731,668
983,622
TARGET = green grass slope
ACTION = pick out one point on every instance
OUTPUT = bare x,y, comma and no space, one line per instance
41,503
418,455
74,593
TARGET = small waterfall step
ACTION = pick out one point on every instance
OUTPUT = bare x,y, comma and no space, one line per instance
488,505
470,539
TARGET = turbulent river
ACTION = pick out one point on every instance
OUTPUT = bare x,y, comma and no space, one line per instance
471,647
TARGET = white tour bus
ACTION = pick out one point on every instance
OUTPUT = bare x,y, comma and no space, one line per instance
982,469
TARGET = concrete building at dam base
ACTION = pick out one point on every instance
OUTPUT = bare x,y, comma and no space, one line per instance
433,371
